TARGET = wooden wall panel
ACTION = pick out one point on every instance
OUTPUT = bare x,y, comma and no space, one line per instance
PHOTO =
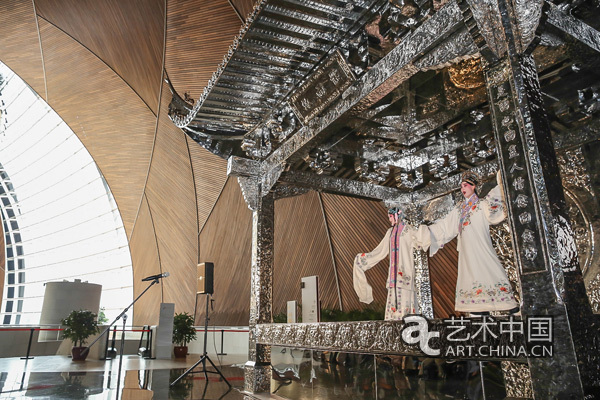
19,43
109,118
126,35
198,36
357,226
301,249
172,199
443,271
210,174
226,241
146,261
244,7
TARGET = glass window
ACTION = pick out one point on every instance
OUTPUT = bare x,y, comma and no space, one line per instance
21,263
9,306
21,277
21,291
10,293
10,264
11,279
6,320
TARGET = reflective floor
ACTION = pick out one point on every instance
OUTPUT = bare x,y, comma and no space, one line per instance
302,374
24,381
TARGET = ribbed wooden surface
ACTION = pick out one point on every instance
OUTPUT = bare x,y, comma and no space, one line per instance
126,35
301,249
172,200
210,174
146,261
244,7
19,43
107,115
199,34
443,271
357,226
226,241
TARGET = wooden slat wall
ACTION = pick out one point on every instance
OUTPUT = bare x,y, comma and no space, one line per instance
244,7
210,174
357,226
443,271
172,200
198,36
301,249
127,35
106,114
226,241
19,43
146,261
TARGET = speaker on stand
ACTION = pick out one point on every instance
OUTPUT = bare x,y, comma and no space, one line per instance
205,287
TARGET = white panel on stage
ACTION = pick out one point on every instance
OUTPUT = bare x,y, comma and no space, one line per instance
292,311
311,310
163,342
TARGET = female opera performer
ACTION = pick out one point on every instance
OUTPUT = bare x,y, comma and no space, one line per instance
482,283
398,242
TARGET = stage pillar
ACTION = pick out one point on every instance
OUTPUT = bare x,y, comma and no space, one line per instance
542,237
257,371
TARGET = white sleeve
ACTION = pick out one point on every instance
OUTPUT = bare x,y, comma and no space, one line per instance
493,206
443,231
365,261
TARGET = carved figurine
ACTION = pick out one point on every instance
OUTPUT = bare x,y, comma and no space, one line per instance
482,283
398,243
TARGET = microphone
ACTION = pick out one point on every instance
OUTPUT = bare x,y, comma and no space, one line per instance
153,277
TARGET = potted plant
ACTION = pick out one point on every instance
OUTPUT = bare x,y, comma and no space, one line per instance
183,333
79,326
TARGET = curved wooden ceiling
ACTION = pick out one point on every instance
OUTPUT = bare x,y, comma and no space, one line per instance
100,66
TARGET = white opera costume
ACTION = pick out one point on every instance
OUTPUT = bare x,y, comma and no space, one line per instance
398,243
482,283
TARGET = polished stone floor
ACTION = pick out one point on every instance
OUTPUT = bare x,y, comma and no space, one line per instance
297,375
305,374
57,377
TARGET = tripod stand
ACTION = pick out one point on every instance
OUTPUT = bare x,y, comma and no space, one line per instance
204,357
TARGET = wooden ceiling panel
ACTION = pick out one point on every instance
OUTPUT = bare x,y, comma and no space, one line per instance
19,43
126,35
357,226
301,249
226,240
172,199
109,118
198,36
146,261
210,175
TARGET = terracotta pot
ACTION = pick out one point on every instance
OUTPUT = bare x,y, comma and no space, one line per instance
76,352
180,351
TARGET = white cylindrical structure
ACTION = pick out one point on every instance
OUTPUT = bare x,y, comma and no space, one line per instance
63,297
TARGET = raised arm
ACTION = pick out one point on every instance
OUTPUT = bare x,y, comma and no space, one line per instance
493,206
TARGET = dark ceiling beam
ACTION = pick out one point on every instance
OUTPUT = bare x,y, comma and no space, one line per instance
388,195
573,27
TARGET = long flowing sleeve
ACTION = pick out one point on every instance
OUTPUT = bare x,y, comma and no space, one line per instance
443,231
421,238
493,206
365,261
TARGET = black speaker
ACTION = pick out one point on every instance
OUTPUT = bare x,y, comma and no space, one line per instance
205,278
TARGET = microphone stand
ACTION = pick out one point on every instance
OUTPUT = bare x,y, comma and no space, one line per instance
122,315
